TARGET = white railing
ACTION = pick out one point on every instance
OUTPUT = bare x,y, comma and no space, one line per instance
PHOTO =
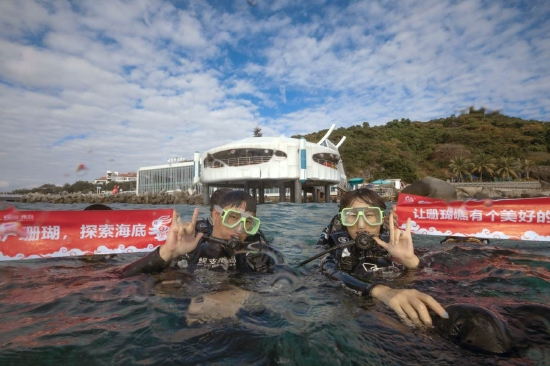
241,161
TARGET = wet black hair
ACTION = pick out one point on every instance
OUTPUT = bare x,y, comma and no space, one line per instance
362,194
217,196
97,207
236,199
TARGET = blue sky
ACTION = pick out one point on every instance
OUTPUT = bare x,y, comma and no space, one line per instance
118,85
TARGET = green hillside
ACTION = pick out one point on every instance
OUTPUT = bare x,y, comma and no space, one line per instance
412,150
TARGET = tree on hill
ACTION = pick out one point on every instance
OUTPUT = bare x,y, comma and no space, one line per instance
483,162
526,165
461,167
429,146
507,167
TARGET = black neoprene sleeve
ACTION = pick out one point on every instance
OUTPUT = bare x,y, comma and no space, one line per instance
151,263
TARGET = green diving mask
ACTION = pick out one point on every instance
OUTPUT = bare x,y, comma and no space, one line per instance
372,215
231,218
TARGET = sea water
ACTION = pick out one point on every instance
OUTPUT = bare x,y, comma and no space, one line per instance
71,311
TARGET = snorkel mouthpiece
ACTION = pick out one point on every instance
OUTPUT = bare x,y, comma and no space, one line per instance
365,241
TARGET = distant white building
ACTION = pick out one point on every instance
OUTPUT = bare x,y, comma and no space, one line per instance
261,166
396,183
175,176
116,177
268,165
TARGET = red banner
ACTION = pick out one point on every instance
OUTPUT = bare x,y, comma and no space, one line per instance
39,234
516,219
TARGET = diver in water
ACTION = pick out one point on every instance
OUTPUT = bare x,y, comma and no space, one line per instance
377,252
226,248
376,246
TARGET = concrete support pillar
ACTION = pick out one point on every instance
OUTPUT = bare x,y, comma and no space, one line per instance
315,194
327,194
206,194
255,193
261,192
282,191
298,191
247,187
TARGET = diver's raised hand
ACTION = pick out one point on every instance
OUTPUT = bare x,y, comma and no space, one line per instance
410,305
181,238
401,244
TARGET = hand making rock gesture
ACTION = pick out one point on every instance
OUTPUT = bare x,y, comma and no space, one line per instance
401,244
181,238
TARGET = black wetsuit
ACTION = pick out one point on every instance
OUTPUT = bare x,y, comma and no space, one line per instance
359,270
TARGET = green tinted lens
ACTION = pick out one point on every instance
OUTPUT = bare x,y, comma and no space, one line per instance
252,224
232,218
349,216
372,215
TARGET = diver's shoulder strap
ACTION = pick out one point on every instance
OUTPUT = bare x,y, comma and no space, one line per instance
203,226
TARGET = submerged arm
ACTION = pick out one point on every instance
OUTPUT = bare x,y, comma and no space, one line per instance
151,263
410,305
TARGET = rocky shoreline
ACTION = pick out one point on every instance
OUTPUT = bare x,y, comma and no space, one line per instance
161,198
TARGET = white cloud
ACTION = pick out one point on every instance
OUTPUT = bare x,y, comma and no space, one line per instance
141,81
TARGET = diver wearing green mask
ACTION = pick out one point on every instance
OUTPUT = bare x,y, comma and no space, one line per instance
364,249
226,248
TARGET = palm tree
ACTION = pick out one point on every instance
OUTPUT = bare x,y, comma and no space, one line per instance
460,167
483,162
508,167
526,165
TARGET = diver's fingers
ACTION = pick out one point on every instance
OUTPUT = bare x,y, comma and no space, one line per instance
175,217
188,229
393,213
401,313
411,313
174,226
422,311
189,226
181,230
433,304
177,228
408,227
195,216
392,230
